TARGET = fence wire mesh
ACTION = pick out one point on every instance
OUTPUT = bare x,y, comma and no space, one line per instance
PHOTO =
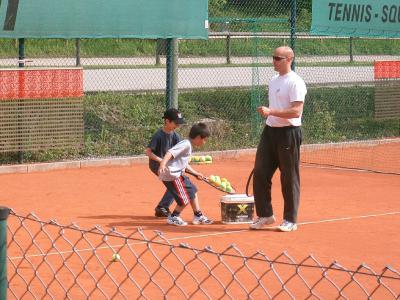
47,260
221,80
41,124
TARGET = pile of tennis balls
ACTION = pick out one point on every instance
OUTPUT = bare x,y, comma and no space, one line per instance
205,159
222,183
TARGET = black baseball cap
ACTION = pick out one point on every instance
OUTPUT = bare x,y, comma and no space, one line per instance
174,115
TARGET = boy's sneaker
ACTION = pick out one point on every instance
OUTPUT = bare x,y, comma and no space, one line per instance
201,220
261,222
161,212
287,226
177,221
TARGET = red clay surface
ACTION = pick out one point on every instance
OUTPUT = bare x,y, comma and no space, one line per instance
348,216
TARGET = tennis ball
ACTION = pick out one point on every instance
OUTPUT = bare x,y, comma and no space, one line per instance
202,158
229,189
212,178
208,158
116,257
223,185
224,180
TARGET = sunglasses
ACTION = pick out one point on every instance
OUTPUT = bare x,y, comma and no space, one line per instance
278,58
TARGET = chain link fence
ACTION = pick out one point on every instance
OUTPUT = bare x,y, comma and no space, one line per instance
50,260
220,81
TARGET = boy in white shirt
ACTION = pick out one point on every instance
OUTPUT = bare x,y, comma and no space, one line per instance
171,172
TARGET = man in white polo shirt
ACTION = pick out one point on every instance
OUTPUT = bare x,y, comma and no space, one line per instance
279,145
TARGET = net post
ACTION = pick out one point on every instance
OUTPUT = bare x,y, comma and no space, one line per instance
4,212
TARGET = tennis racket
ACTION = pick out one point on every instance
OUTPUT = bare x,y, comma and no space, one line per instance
207,180
249,184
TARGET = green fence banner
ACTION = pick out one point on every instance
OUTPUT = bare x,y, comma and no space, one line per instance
356,18
104,18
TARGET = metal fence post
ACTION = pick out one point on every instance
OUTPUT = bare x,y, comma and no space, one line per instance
172,73
293,17
351,49
228,48
228,42
4,212
21,64
21,53
78,52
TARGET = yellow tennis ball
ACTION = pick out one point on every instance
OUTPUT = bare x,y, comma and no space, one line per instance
208,158
116,257
202,158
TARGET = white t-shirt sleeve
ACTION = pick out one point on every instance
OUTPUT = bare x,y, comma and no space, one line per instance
179,148
297,91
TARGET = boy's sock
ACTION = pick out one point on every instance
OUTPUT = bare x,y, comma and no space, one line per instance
198,213
175,214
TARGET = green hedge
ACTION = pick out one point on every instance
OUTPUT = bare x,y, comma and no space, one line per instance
122,124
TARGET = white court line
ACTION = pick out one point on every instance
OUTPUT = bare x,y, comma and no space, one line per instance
302,223
209,234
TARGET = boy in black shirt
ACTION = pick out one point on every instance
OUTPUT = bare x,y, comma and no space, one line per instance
163,140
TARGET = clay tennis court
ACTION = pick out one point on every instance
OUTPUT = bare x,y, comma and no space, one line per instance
347,216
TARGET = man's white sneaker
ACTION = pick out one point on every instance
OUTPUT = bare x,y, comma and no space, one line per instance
287,226
177,221
202,220
261,222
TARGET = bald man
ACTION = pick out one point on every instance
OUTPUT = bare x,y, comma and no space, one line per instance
279,145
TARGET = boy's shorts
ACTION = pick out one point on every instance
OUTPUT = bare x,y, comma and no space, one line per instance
183,190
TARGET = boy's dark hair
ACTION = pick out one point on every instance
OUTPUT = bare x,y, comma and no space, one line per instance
199,129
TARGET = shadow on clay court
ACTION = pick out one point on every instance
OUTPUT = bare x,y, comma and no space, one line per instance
130,222
113,217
